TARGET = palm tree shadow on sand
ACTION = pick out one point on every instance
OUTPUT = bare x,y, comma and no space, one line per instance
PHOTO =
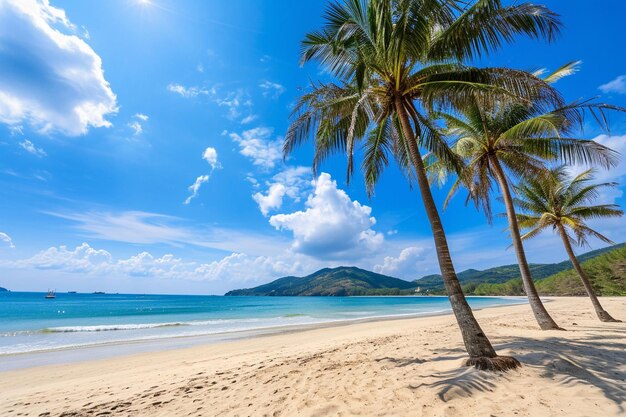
590,360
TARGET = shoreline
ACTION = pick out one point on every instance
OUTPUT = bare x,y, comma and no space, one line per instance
106,350
397,367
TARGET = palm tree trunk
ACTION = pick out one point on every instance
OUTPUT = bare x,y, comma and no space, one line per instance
541,314
602,314
481,352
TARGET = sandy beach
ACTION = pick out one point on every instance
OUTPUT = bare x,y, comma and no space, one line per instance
385,368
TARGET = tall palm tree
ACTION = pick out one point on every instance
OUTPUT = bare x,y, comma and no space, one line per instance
394,59
553,200
501,142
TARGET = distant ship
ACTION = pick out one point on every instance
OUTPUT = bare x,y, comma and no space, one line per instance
71,292
99,292
51,294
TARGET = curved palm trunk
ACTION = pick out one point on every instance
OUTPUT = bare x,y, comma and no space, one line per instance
481,352
602,314
541,314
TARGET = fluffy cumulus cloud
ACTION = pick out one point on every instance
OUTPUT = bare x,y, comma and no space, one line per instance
7,240
407,264
59,84
84,259
273,199
210,155
332,226
618,85
292,182
271,89
81,259
30,147
258,145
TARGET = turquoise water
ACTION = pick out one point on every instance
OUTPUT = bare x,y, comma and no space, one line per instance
29,323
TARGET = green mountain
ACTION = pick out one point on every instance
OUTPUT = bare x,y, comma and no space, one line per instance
606,267
339,281
472,278
3,290
607,273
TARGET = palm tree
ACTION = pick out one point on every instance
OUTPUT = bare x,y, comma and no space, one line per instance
395,59
501,142
553,200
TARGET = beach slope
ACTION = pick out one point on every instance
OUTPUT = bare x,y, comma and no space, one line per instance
386,368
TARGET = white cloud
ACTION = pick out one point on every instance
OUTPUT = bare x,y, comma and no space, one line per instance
293,182
195,187
273,199
257,145
59,84
614,174
332,226
84,259
7,239
16,130
617,85
406,264
210,155
233,100
187,92
30,147
137,128
271,89
137,227
392,232
145,228
137,125
249,119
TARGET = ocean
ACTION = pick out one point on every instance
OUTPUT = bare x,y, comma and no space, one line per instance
31,323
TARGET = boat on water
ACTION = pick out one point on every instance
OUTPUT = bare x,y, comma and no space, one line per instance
51,294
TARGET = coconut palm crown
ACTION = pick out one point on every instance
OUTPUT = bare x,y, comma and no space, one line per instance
556,201
501,142
394,61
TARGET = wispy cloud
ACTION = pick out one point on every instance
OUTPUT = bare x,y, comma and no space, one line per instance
136,127
30,147
249,119
618,85
271,89
7,240
146,228
195,187
210,156
187,92
137,124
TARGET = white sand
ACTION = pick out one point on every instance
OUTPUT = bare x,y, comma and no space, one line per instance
406,367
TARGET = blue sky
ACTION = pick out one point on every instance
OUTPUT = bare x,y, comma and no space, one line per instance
140,150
